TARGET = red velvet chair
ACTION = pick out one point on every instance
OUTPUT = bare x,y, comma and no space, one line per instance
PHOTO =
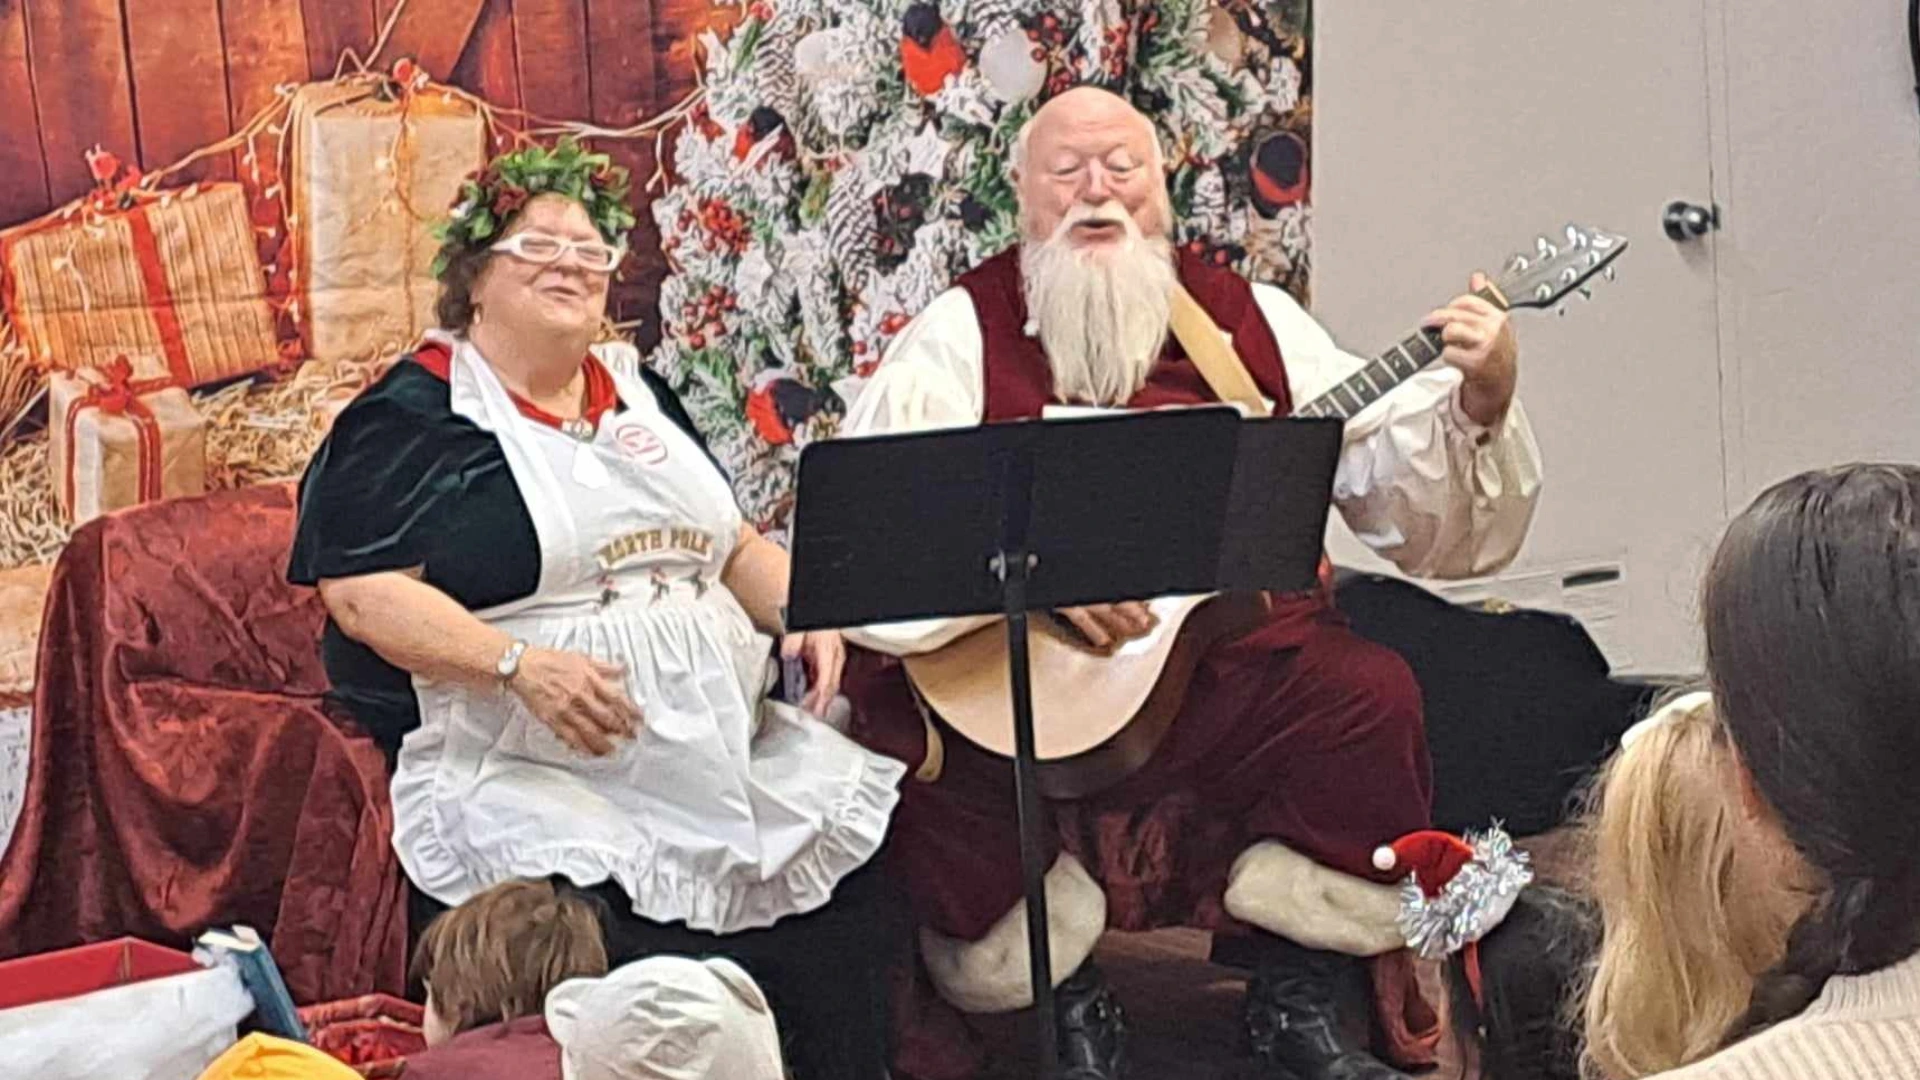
185,771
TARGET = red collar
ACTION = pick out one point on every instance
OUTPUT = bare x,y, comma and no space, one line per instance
602,397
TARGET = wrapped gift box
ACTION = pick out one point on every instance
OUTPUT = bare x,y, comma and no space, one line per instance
375,167
117,1010
117,442
173,282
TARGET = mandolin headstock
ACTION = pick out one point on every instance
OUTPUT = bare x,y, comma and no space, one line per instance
1558,267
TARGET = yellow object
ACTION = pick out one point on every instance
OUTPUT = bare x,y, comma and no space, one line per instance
264,1057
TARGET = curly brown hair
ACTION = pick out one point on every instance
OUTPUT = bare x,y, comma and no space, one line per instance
455,307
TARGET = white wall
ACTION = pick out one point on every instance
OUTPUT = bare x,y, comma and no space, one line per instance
1817,157
1784,342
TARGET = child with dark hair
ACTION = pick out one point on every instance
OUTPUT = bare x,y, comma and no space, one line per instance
1812,612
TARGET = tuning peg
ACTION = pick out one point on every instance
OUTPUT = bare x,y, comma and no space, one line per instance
1576,238
1561,311
1543,292
1586,293
1547,251
1569,275
1516,264
1608,272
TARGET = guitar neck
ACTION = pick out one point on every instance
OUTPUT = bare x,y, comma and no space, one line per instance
1378,377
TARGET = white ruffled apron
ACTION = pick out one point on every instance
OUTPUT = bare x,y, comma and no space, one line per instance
726,810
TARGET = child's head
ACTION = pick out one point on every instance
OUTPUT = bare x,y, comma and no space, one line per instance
665,1018
498,955
1695,901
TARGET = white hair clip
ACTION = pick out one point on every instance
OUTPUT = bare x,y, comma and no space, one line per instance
1684,705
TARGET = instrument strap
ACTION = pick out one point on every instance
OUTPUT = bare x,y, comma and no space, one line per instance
1212,352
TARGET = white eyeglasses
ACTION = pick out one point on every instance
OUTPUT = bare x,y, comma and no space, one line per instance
542,249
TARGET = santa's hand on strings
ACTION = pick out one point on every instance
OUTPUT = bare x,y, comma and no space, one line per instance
1479,340
1105,627
583,700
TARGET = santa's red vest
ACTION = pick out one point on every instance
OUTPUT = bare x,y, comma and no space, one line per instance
1017,382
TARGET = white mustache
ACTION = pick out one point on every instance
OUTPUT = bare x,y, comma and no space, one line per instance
1106,213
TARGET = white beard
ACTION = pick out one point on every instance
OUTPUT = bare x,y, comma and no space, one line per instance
1101,315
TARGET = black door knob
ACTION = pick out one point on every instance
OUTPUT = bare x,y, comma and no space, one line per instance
1685,220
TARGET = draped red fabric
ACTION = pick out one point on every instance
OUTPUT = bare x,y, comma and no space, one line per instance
185,771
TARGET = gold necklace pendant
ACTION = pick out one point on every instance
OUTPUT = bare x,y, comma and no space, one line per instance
579,427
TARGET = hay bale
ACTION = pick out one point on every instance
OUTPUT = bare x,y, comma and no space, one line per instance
258,431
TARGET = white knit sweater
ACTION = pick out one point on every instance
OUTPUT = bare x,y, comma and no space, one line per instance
1862,1027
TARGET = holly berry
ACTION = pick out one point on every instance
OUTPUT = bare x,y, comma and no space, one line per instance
859,348
697,339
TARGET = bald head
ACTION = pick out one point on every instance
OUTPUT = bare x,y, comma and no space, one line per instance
1089,148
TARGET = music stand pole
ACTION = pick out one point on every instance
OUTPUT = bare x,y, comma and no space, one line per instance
1154,504
1012,565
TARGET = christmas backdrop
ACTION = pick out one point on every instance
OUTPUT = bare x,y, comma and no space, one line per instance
200,201
848,159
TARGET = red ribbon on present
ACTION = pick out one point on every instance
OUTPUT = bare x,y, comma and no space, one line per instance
153,275
120,396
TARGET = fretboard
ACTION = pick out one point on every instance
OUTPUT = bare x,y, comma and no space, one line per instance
1386,371
1380,375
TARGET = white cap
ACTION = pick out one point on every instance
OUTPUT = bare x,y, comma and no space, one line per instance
665,1018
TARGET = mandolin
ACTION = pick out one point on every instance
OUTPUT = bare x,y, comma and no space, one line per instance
1100,716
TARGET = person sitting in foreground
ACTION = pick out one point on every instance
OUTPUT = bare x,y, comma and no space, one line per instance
488,966
1695,901
1812,613
541,590
666,1018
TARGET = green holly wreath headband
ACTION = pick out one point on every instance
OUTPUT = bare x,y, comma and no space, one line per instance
489,199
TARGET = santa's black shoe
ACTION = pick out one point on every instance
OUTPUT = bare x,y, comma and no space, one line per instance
1306,1019
1091,1027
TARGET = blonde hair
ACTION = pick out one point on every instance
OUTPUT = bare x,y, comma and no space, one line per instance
498,955
1694,905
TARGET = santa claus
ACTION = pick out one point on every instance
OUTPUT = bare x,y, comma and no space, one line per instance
1300,749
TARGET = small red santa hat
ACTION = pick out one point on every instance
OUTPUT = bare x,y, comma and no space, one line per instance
1454,890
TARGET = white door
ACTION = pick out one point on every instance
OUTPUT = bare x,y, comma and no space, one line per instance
1818,171
1450,134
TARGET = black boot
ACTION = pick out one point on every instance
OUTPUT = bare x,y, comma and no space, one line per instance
1091,1027
1306,1018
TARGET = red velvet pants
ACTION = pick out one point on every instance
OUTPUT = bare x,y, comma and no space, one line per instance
1300,732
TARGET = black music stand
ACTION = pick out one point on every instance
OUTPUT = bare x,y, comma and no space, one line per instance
1041,515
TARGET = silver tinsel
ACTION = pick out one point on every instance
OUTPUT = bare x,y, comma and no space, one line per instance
1469,904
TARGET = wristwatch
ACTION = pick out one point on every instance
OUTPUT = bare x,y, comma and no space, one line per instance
509,663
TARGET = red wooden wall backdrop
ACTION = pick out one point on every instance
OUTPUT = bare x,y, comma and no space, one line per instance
151,80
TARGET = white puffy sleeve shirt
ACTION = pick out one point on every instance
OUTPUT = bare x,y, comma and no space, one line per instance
1418,480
